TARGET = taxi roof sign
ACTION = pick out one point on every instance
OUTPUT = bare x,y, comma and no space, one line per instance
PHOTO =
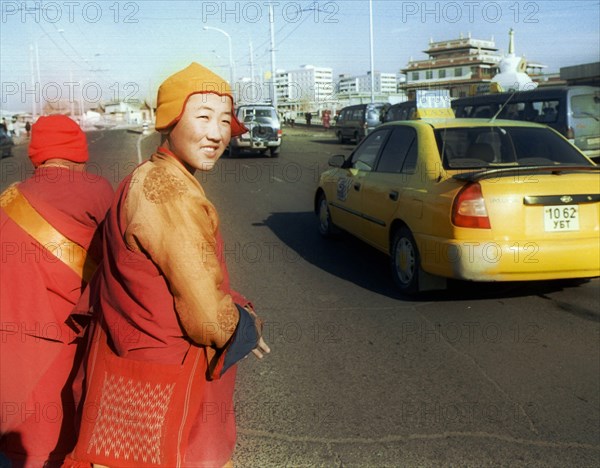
485,88
433,104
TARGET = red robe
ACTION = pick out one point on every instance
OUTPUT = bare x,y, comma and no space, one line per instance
163,274
37,295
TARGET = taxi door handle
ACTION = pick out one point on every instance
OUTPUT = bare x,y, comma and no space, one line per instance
393,195
357,186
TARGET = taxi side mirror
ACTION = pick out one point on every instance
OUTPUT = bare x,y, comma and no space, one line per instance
337,160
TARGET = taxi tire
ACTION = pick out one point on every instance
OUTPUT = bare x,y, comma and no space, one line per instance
326,228
405,261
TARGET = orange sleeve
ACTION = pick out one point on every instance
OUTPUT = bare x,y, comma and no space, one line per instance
172,222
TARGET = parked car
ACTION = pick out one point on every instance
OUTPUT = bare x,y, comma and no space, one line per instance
467,199
400,111
264,131
356,122
6,143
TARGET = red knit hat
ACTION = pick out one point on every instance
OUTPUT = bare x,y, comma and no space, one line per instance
57,136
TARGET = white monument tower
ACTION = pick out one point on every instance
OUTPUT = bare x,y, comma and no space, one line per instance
512,76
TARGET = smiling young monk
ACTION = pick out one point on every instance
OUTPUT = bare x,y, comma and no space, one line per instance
160,372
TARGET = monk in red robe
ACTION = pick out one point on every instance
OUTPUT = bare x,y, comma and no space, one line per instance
50,243
167,319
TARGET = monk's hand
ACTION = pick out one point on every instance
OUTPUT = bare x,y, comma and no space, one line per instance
261,349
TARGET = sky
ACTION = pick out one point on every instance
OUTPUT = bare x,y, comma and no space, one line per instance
105,50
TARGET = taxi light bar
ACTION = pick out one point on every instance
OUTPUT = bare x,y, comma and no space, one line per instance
468,209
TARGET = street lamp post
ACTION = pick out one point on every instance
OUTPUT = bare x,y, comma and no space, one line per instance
37,61
371,46
231,65
273,73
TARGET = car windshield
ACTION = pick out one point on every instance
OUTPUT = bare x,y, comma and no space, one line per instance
374,112
586,105
476,147
259,115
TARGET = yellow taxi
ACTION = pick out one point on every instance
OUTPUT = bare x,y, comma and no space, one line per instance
481,200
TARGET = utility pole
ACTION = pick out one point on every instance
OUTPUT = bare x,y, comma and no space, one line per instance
272,26
251,62
371,43
31,60
72,98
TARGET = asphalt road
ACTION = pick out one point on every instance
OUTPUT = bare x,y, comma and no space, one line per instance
479,375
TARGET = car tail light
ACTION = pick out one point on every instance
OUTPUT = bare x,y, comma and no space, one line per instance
468,209
279,132
570,133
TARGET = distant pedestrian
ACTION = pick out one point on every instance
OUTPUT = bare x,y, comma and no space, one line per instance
4,126
308,117
326,119
50,228
28,128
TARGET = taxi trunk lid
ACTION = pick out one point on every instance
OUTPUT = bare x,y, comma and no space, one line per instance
540,202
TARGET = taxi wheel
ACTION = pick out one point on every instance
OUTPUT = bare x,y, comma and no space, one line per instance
405,261
326,227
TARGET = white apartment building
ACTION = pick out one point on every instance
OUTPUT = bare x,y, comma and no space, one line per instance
308,88
385,83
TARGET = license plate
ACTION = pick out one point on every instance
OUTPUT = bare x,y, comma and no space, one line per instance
561,218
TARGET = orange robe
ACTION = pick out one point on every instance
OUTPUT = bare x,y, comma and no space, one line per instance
163,288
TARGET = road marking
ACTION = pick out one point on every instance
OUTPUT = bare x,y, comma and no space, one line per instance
277,179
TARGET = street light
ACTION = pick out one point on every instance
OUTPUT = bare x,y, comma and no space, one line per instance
37,62
37,51
371,53
231,65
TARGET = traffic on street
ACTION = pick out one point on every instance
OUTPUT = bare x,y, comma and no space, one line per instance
361,373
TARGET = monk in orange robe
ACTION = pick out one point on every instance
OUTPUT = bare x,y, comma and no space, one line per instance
163,299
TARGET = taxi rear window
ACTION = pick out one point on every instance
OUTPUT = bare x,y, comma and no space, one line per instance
476,147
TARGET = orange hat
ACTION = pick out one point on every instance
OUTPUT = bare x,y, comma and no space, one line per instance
176,90
57,136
